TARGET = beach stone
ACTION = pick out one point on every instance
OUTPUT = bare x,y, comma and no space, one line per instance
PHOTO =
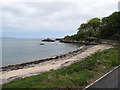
42,44
51,69
56,57
99,62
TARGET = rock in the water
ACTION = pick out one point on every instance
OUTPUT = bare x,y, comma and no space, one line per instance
58,39
48,40
42,44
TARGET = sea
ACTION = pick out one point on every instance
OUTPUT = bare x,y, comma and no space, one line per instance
21,50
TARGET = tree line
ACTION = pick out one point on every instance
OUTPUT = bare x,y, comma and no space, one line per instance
105,28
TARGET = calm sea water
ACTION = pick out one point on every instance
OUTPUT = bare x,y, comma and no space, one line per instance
16,50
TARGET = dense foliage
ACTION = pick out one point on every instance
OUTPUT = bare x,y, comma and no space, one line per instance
110,26
107,28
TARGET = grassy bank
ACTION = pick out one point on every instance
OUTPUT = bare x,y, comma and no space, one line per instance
77,75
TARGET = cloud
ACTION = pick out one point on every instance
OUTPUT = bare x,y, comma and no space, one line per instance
53,16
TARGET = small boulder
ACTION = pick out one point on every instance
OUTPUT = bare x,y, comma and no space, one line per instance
42,44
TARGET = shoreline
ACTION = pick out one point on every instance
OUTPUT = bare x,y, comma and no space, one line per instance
51,63
35,62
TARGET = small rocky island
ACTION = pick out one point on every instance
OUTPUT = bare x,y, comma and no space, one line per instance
48,40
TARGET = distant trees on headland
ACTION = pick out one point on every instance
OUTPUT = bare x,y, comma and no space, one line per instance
106,28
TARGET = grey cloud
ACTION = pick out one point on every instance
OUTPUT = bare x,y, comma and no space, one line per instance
57,16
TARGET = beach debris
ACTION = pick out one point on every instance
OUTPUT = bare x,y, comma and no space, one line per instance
66,63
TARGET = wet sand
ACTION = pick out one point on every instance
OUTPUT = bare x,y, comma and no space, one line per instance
50,64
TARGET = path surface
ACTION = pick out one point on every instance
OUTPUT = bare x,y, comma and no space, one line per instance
109,81
8,76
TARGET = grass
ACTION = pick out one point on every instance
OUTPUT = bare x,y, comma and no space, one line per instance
77,75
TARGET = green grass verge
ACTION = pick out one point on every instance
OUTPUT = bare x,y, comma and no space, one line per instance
77,75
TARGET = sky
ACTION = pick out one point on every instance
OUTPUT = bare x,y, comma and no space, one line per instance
50,18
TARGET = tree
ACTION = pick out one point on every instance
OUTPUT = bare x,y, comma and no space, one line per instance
110,26
107,28
94,24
